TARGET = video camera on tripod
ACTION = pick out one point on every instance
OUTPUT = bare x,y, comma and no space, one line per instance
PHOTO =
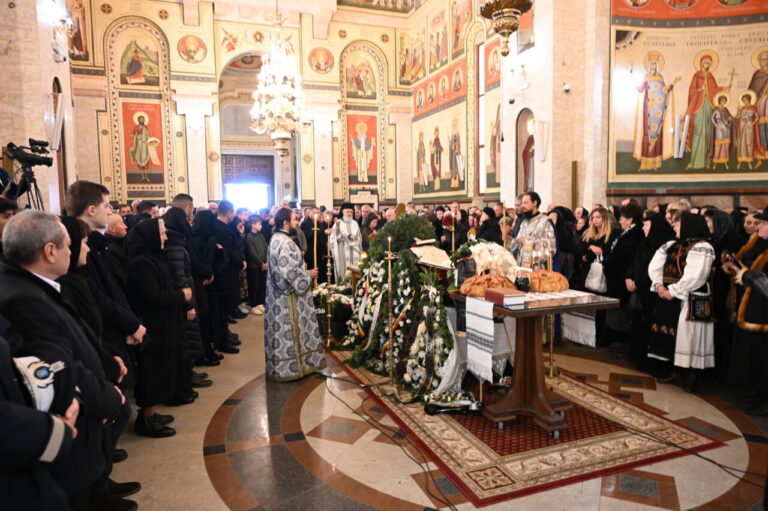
27,157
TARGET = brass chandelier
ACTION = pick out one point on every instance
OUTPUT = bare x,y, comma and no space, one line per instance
505,15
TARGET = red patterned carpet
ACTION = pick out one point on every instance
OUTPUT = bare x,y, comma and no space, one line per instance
606,435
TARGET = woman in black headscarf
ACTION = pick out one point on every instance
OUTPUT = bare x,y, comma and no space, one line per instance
489,226
370,230
161,306
212,257
681,267
183,262
725,239
657,232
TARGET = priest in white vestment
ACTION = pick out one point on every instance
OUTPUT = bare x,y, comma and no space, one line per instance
346,241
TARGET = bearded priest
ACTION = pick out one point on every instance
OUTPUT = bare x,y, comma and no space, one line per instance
292,343
346,241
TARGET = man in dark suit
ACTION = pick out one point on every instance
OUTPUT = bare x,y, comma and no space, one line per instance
227,282
36,247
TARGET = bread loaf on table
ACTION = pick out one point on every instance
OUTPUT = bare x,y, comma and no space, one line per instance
476,286
545,281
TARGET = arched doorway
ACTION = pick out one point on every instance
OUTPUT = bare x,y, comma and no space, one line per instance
248,159
525,150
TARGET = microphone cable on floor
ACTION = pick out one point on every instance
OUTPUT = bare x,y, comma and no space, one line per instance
385,430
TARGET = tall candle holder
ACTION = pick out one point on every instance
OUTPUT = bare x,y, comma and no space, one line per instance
390,389
329,338
314,249
549,320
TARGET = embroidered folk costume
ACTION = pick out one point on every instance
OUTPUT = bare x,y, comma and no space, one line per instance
683,267
292,339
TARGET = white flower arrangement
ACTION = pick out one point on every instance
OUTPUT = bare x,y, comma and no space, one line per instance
493,258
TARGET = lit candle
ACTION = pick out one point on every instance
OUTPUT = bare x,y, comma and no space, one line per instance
389,244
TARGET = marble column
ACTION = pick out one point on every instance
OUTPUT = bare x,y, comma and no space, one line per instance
323,110
195,110
401,116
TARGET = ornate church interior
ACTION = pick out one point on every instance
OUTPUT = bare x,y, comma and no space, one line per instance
433,254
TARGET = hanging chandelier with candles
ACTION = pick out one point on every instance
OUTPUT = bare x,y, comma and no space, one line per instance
279,98
505,15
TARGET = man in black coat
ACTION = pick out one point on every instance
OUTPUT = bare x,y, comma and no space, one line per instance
118,259
227,282
37,253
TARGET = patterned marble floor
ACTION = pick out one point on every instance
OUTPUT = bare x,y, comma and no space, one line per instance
319,444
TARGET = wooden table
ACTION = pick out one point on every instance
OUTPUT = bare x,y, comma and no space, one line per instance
528,394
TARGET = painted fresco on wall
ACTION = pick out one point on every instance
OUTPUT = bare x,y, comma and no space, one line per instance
492,137
438,41
360,76
461,16
441,89
418,68
142,135
525,150
139,62
440,153
399,6
362,150
78,43
411,51
321,60
525,34
493,63
246,63
688,106
192,49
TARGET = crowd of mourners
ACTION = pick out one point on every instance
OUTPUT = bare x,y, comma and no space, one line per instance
108,305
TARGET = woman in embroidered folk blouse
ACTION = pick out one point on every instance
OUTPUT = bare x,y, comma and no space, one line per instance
678,268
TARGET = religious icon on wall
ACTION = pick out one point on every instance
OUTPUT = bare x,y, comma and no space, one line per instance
637,3
758,84
436,158
404,58
461,15
422,171
142,138
654,142
749,150
362,159
420,99
458,80
431,93
321,60
494,150
359,76
494,63
78,43
701,105
456,158
680,113
722,127
443,89
438,41
192,49
418,57
139,63
681,4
